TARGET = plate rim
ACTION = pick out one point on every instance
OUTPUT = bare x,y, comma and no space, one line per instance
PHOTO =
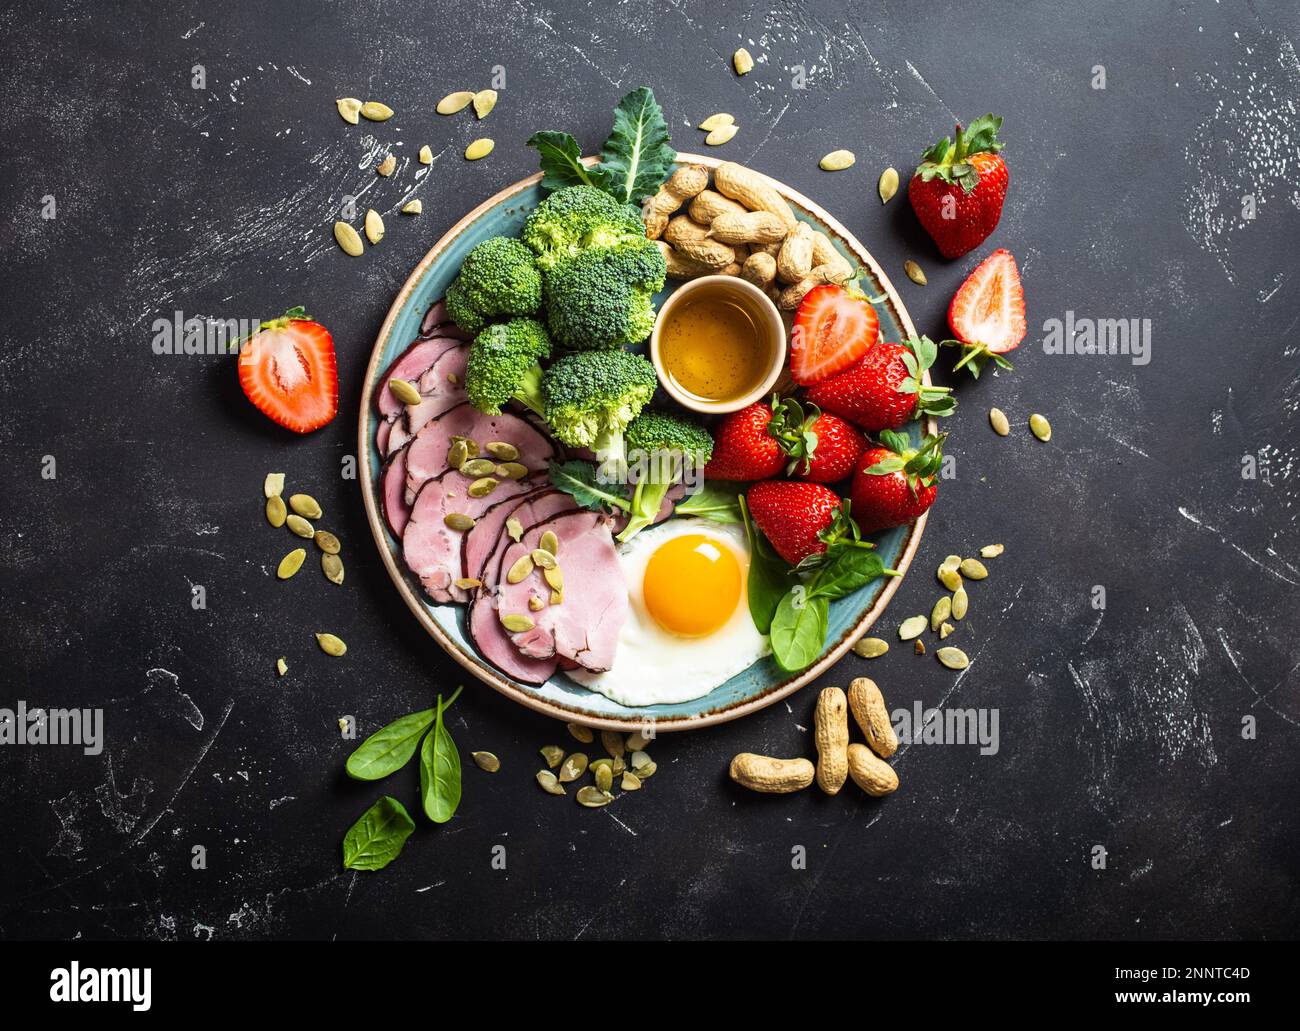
492,677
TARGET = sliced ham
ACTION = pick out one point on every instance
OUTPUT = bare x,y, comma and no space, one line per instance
442,388
430,547
426,455
489,532
393,490
382,433
584,628
410,365
436,323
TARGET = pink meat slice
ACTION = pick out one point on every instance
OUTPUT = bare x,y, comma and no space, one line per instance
393,490
436,323
382,433
479,543
441,389
584,628
410,365
430,547
426,455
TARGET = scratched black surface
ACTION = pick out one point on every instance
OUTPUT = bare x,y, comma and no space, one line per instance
1119,729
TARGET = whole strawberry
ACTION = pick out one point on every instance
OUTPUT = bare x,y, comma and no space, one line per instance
822,448
885,390
794,517
895,483
743,449
958,188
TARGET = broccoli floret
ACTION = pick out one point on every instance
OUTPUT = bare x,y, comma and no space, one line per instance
578,218
591,396
498,278
662,446
504,365
604,298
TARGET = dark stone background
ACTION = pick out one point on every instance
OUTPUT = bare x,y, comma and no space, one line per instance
1119,728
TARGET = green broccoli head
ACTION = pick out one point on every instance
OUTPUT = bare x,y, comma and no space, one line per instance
661,446
579,218
605,298
498,278
504,365
591,396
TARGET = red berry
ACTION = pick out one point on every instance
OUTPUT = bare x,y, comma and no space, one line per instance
792,515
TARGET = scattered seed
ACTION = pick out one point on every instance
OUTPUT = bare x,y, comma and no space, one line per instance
468,583
557,597
517,623
952,560
511,470
870,647
273,485
716,121
374,226
918,646
331,645
480,148
281,667
613,743
298,525
618,765
482,488
998,420
457,454
915,273
426,155
550,783
913,626
960,603
549,542
484,101
581,733
646,771
521,570
949,577
375,111
349,239
476,467
291,563
486,761
543,558
888,185
412,207
945,630
953,658
941,611
458,521
604,777
454,103
387,166
332,567
639,760
973,569
742,61
305,505
327,542
1040,427
514,528
553,754
573,767
992,550
593,797
275,511
554,579
501,450
536,604
349,109
405,392
637,742
721,135
837,161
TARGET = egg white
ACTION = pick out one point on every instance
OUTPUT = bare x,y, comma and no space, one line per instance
653,666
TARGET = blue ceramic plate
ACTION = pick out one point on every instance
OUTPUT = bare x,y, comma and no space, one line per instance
762,683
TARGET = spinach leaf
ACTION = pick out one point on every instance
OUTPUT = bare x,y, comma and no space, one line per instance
769,577
799,629
390,748
440,770
717,500
637,157
377,838
561,161
578,478
849,569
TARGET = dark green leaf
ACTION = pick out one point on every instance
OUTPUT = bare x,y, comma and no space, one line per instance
848,569
799,629
377,838
578,478
769,576
561,161
439,771
718,500
637,157
885,467
389,748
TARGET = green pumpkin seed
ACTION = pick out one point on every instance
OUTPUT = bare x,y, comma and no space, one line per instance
327,542
870,647
593,797
581,733
480,148
555,578
468,583
349,239
275,511
281,667
949,577
915,273
960,603
273,485
542,557
945,630
631,782
374,221
573,767
413,207
478,467
742,61
482,488
458,521
517,623
536,604
639,760
486,761
291,563
637,742
953,658
484,101
549,542
305,505
471,445
888,185
913,626
332,567
646,770
557,597
511,470
550,784
514,528
384,168
992,550
520,570
1040,427
613,743
375,111
973,569
604,778
837,161
999,421
331,645
918,646
426,155
553,754
298,525
501,451
596,764
349,109
404,391
721,135
716,121
456,102
457,454
941,611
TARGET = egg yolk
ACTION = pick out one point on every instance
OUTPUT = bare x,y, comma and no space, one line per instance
691,585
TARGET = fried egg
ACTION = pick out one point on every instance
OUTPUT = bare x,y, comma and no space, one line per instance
688,627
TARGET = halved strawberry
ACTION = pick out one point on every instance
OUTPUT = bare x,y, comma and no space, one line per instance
987,313
288,370
833,328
